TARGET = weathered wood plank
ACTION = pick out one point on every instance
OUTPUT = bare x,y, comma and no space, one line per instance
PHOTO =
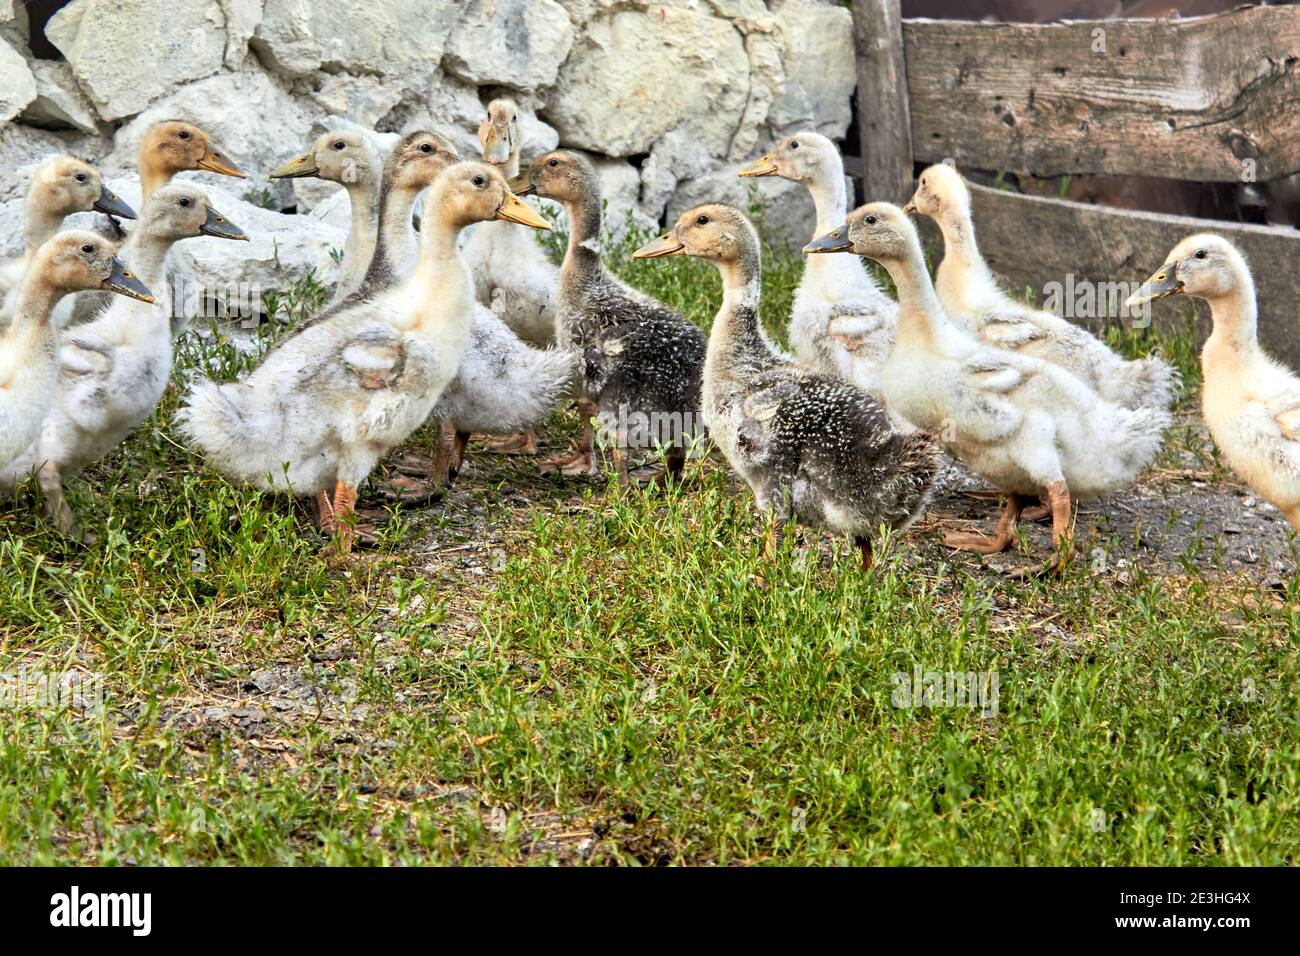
884,123
1030,242
1185,99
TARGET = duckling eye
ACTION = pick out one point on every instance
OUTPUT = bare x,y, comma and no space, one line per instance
87,248
185,204
340,145
426,148
479,180
553,163
702,220
1200,253
183,134
870,220
81,177
794,145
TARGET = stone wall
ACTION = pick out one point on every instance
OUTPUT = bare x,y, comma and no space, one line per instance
670,97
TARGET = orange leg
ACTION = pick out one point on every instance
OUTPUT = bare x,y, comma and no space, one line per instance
524,443
581,462
325,519
1002,537
459,442
1058,501
345,515
864,547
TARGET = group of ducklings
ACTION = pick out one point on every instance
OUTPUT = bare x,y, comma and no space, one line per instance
467,323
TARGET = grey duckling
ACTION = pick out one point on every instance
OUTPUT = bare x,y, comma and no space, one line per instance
813,448
638,360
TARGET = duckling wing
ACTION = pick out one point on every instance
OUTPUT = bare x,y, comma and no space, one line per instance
85,367
375,355
1009,330
983,390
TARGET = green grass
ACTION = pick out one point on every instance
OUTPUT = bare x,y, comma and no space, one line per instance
544,671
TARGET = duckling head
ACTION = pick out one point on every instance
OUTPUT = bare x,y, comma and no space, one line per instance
174,146
418,159
499,132
801,157
340,156
64,185
718,233
78,261
1203,265
940,192
878,230
561,174
476,192
182,211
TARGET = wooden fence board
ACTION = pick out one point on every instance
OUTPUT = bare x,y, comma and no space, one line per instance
1185,99
884,129
1030,241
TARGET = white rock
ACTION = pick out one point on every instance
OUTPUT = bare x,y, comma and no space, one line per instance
247,114
363,99
17,84
126,55
520,43
392,38
6,10
637,76
59,102
819,65
449,106
766,82
242,18
677,156
620,188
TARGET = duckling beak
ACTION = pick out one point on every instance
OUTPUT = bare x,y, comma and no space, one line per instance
298,167
665,245
837,240
215,161
123,282
110,204
910,208
1164,282
522,185
513,209
496,145
765,165
219,226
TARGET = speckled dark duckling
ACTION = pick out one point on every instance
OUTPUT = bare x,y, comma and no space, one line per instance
640,363
812,448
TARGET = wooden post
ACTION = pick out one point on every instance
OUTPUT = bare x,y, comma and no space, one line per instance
884,118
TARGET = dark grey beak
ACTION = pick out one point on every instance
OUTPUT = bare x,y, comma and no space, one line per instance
1164,282
122,281
837,240
109,203
219,226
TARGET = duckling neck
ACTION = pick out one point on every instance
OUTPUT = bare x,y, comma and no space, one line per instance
831,202
919,313
737,332
1235,323
153,177
396,242
32,311
583,254
362,232
41,225
963,268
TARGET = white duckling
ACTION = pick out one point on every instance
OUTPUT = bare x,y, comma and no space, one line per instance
841,324
512,275
325,405
503,384
1027,426
348,158
969,294
69,262
114,368
811,446
63,185
1250,401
